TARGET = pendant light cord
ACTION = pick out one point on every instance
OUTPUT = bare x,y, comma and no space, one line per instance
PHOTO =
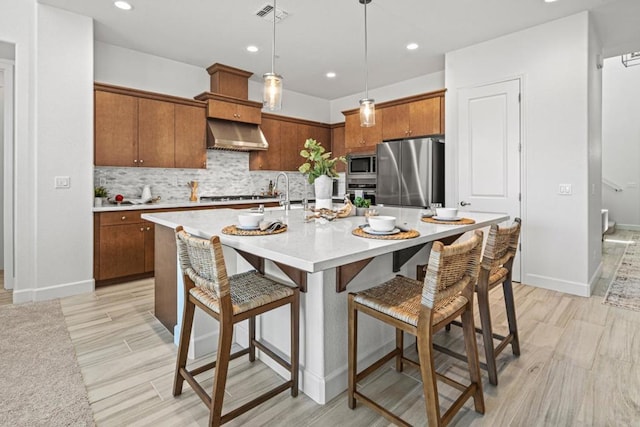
273,45
366,58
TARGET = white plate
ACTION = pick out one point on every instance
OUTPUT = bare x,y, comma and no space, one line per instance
455,218
248,227
369,230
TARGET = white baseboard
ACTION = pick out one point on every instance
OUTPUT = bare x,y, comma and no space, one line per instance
52,292
559,285
594,279
631,227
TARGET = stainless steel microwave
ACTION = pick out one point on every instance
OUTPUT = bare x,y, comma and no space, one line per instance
361,164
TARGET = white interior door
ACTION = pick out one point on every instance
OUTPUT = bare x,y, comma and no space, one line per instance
489,150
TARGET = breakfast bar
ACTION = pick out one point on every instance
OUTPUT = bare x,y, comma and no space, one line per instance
324,259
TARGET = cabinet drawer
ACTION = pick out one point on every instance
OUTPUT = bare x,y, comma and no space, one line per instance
124,217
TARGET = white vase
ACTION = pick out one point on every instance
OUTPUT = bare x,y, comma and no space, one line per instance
323,187
97,202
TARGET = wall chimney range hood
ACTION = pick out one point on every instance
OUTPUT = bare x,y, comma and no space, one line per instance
228,135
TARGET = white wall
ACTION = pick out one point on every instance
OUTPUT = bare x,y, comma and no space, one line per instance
129,68
17,26
621,141
594,68
2,111
552,61
422,84
64,222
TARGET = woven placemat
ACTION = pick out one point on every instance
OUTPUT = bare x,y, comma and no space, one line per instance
398,236
232,229
461,221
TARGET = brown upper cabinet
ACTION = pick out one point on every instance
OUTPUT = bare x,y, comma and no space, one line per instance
337,145
229,108
137,128
286,137
362,139
412,119
414,116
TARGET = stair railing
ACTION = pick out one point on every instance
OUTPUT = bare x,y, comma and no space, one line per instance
615,187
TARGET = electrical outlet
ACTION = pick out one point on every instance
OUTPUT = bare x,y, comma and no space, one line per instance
564,189
62,182
103,181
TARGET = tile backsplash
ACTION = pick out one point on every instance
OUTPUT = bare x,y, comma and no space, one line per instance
227,174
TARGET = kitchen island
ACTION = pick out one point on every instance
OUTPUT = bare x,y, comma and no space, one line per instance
322,259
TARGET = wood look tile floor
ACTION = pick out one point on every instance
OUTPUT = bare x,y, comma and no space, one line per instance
580,366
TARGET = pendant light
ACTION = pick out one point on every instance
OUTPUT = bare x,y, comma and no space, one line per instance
272,91
367,105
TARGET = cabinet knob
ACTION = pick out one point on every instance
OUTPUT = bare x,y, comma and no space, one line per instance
135,160
141,161
123,218
148,228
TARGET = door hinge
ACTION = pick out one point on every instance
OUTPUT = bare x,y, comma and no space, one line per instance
519,97
519,197
520,247
519,147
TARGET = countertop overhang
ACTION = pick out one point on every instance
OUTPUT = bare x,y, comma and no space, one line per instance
312,246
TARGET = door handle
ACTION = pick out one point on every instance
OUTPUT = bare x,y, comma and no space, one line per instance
463,203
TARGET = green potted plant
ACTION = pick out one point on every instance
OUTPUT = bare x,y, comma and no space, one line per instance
361,205
99,194
320,169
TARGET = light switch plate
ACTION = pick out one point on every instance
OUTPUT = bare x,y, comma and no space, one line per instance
62,182
564,189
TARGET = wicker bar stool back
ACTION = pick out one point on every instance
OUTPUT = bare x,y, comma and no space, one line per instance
421,309
228,299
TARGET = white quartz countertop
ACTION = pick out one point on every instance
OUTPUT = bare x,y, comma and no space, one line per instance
108,207
312,246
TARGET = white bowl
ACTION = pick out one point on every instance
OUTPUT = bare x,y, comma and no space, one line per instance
382,223
250,219
447,212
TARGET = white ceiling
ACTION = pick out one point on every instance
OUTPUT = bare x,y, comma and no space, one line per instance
328,35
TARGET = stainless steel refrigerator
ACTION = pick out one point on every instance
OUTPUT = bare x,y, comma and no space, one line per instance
410,172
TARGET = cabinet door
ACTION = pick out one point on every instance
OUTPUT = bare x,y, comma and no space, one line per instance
190,134
116,129
149,247
424,116
222,110
395,123
353,140
337,146
271,158
248,114
156,133
121,250
291,146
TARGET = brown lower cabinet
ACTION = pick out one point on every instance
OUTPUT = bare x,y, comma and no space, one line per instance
123,248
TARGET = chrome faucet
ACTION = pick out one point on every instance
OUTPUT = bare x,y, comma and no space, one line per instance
286,202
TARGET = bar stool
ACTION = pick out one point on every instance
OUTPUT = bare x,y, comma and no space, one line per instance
496,268
229,300
421,309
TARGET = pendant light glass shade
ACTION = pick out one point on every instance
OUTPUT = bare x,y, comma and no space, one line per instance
367,105
272,91
367,113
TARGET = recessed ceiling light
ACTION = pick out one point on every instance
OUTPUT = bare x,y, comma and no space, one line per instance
331,74
252,48
412,46
122,5
550,1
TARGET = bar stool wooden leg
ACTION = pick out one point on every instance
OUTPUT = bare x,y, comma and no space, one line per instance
352,351
428,372
295,328
511,314
471,346
400,349
220,375
183,347
252,339
487,331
